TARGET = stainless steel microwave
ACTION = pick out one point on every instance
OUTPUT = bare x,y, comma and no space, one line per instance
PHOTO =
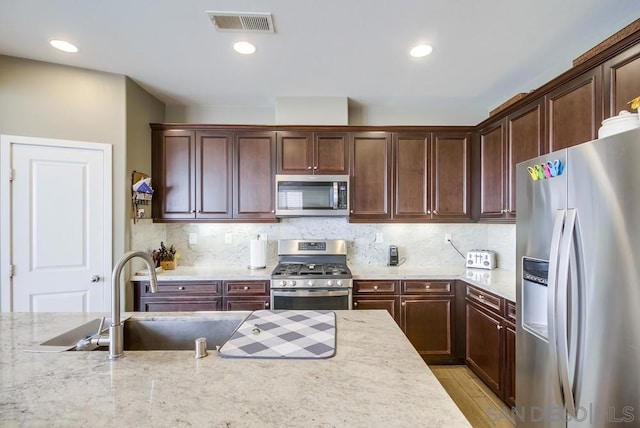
312,195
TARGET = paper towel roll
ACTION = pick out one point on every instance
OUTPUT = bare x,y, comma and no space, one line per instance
257,254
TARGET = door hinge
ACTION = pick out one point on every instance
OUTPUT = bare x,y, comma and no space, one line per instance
11,174
11,271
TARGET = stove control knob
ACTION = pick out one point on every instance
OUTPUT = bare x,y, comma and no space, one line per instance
282,283
339,283
311,283
330,283
292,282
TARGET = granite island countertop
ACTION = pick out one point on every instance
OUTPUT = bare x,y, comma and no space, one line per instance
376,379
498,281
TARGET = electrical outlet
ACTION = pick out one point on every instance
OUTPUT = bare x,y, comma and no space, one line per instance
193,238
447,238
262,237
227,238
379,237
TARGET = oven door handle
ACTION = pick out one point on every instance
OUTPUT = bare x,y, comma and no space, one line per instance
310,293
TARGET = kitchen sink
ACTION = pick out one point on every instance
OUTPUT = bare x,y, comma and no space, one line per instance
179,333
155,332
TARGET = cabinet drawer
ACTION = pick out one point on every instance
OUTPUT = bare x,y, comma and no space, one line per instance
178,305
511,311
486,300
245,303
427,287
246,288
380,287
204,288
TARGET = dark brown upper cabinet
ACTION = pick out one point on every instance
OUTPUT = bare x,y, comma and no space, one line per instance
192,174
253,178
492,170
451,166
312,152
525,140
621,81
370,175
504,144
412,176
574,110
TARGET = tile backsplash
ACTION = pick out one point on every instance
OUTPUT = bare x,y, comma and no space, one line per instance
420,244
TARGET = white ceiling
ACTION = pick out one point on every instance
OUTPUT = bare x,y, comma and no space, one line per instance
484,51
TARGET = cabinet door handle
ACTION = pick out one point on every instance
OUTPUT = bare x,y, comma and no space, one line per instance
499,327
181,288
246,287
355,304
266,304
193,211
309,167
315,167
481,297
428,211
404,303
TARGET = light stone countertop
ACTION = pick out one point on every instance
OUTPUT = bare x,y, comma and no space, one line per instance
376,379
498,281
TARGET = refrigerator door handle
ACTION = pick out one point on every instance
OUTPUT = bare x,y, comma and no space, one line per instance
562,313
552,292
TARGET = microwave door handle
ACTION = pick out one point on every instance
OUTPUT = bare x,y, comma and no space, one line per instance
335,195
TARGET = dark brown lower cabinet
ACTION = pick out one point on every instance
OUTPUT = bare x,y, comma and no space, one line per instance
485,344
426,310
201,296
491,341
428,323
377,294
510,365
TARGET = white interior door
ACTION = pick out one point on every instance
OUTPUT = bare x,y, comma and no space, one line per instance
60,226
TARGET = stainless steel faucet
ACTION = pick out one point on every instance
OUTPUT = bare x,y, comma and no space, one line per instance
116,330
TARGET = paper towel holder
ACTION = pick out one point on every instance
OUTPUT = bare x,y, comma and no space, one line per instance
261,263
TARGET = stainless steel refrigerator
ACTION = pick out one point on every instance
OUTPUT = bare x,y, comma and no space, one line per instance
578,286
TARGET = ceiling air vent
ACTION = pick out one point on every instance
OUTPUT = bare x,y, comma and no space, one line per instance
242,21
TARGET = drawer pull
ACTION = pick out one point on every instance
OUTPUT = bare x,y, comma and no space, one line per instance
427,287
375,287
480,296
181,288
246,287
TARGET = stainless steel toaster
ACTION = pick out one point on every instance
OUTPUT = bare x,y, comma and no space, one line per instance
481,259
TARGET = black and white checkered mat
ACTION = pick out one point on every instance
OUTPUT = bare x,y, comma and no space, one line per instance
284,334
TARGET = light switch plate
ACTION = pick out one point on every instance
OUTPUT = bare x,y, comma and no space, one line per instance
193,238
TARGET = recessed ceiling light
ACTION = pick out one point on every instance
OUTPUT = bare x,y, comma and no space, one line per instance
420,51
244,48
64,46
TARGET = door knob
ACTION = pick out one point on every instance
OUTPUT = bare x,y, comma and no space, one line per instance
94,278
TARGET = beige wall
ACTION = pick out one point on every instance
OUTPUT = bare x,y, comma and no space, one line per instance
142,109
40,99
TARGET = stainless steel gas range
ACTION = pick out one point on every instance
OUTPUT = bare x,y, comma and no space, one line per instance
311,274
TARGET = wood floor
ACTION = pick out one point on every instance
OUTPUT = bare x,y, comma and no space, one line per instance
476,401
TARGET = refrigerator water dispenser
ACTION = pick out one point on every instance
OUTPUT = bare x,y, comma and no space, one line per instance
535,274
